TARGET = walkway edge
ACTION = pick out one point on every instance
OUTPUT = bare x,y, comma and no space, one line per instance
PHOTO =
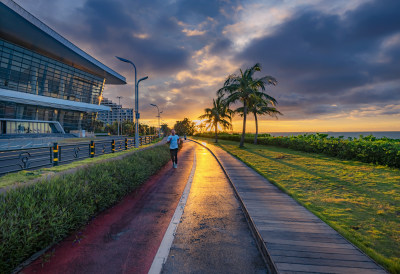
166,243
259,240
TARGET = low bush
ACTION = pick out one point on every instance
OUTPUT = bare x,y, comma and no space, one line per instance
365,149
36,216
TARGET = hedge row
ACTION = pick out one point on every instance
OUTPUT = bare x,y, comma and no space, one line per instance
36,216
366,149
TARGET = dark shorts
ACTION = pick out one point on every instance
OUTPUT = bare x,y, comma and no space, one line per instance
174,155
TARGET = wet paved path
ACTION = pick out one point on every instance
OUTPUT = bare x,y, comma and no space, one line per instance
213,235
296,240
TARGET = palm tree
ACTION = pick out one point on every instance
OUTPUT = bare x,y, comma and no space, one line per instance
201,126
218,114
258,106
243,88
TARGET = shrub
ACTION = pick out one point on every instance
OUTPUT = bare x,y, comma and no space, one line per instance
36,216
365,149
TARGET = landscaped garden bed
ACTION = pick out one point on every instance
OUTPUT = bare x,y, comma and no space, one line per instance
38,215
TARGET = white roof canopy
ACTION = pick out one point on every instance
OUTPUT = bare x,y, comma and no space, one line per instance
19,26
38,100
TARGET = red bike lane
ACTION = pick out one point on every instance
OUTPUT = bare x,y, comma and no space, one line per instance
126,237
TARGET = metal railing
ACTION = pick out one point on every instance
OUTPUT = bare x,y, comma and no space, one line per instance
34,158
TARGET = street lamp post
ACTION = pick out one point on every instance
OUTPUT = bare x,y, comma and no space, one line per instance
159,125
159,118
137,111
137,115
119,113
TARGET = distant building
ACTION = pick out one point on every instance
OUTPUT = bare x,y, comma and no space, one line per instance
117,113
47,84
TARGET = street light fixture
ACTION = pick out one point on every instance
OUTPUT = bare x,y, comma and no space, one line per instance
137,109
159,125
137,115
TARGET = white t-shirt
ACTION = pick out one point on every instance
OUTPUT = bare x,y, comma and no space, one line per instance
174,141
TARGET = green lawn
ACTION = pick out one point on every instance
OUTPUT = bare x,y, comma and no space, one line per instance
361,201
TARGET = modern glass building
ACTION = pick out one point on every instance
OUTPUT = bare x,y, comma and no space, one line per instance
117,113
47,84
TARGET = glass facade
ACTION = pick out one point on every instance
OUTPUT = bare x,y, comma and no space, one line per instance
25,71
21,127
70,120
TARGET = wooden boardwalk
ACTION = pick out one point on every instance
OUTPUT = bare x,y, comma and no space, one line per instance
296,241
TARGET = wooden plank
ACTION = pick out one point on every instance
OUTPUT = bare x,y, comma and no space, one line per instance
292,229
304,223
262,217
306,236
324,262
319,255
283,267
309,243
313,249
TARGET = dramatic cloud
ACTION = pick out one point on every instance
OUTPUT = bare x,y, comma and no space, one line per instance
332,59
321,58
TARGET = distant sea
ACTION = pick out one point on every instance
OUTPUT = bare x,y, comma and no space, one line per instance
377,134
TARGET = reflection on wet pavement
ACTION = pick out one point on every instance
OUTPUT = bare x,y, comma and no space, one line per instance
213,236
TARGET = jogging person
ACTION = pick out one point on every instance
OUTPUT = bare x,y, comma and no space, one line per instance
173,141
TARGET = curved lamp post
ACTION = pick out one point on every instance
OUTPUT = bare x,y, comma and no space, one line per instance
159,118
159,125
137,111
137,115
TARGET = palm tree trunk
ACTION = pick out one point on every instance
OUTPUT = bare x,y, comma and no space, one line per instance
256,135
244,123
216,133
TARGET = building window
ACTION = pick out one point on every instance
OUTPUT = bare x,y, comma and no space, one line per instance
26,71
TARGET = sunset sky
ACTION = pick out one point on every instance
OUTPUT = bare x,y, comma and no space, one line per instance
337,62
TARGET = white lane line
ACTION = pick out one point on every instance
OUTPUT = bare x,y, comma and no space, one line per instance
166,243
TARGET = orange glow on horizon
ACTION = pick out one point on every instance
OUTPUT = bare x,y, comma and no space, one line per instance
349,124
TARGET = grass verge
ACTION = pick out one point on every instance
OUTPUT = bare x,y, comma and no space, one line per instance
38,215
28,175
361,201
366,149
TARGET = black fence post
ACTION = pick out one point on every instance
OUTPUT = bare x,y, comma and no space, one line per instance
91,149
113,146
55,154
126,143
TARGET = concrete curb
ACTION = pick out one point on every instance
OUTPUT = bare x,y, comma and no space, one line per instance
259,240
